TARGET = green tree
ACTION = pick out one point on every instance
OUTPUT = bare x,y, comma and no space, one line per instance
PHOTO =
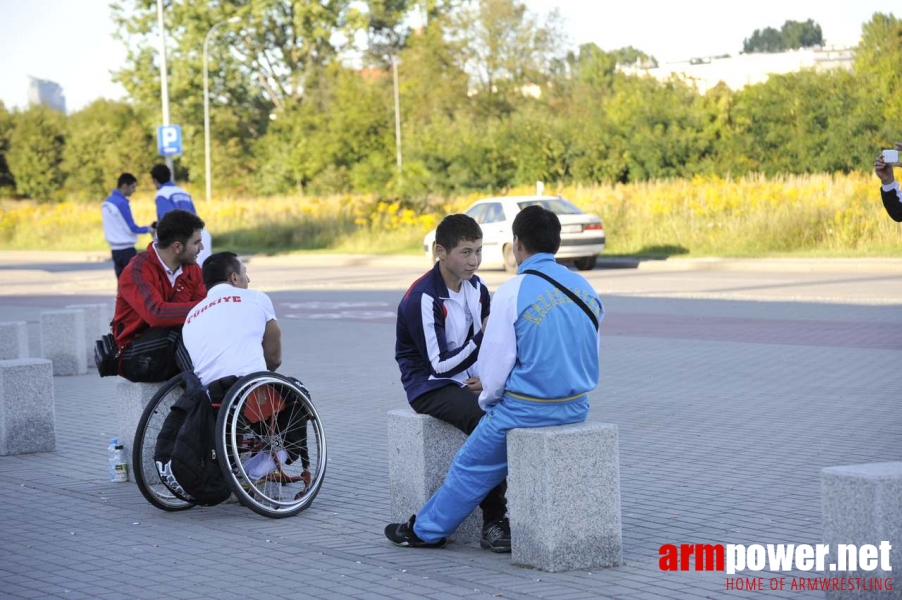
631,56
793,35
878,63
36,152
507,49
320,143
797,34
259,67
804,122
107,138
764,40
432,84
7,182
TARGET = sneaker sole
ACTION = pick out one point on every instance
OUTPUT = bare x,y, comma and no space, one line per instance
496,549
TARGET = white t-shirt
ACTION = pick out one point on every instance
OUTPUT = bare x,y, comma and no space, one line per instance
224,332
458,320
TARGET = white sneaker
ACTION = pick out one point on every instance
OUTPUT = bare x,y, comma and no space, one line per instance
262,464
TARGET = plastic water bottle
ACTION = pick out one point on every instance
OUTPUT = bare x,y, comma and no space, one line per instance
120,466
111,457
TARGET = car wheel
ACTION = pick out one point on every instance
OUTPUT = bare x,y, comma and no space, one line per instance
510,263
586,263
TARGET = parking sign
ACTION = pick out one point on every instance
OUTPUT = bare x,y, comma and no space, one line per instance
169,140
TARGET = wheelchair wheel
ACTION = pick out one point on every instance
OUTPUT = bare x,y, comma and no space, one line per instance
145,471
271,445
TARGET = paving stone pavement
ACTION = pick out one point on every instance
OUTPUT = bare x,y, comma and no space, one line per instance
727,412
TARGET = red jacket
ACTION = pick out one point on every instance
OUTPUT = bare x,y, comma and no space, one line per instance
146,299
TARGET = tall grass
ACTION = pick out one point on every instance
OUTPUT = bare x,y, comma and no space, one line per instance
829,215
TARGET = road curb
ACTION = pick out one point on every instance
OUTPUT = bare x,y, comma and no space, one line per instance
28,259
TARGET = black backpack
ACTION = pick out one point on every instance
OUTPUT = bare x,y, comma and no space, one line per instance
185,453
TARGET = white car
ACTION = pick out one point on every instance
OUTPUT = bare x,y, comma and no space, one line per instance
582,234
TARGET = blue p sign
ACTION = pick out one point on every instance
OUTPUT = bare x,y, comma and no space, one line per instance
169,140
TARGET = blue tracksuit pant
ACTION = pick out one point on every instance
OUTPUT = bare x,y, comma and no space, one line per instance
481,463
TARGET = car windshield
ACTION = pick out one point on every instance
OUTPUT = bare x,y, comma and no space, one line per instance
558,206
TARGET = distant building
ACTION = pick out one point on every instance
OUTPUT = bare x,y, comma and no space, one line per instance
746,69
46,93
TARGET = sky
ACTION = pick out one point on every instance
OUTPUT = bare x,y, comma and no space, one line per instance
71,41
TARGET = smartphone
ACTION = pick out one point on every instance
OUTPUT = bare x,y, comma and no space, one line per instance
891,156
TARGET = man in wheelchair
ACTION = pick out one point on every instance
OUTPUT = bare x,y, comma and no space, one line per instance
233,332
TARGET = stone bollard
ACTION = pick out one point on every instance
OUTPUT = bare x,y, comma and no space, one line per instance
420,450
13,340
63,341
26,406
862,505
131,398
97,324
563,491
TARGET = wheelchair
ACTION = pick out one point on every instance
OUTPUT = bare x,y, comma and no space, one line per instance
262,415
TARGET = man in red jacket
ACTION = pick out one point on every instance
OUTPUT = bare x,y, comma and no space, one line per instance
156,291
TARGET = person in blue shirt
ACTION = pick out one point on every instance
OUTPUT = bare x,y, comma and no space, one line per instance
172,197
119,227
538,361
169,196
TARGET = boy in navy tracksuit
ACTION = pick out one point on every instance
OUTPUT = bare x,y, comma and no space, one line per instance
439,332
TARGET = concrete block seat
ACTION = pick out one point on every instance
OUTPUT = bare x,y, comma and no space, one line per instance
13,340
131,398
63,341
97,324
26,406
563,491
420,450
862,505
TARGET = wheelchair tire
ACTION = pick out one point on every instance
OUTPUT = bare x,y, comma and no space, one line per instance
264,416
145,471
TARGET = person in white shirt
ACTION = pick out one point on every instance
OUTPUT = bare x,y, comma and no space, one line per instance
233,331
119,226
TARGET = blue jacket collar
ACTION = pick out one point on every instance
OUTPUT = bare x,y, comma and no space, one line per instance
534,261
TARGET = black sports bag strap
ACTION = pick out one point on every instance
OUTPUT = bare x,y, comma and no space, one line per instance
570,294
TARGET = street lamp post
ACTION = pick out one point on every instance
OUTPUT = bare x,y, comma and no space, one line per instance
164,85
207,168
394,64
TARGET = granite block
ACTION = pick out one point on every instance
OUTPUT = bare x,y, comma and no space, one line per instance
862,504
563,491
26,406
97,324
63,341
420,450
131,398
13,340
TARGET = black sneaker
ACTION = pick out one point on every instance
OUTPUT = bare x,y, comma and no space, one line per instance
496,536
401,534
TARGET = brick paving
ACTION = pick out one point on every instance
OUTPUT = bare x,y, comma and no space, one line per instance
727,412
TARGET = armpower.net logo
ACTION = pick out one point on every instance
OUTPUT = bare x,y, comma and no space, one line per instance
739,559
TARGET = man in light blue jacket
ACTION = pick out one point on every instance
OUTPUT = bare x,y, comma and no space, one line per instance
539,359
119,226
